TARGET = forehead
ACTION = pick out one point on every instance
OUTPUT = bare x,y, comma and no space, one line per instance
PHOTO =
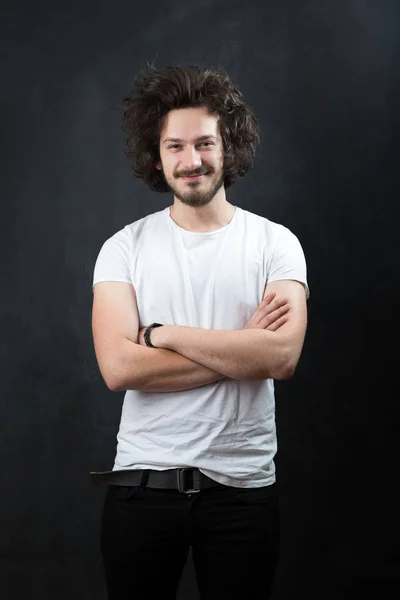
189,123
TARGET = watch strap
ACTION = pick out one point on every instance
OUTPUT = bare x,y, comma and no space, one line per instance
146,334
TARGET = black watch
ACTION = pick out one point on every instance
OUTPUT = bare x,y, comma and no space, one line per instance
146,334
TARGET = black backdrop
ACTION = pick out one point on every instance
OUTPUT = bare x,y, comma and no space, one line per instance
322,77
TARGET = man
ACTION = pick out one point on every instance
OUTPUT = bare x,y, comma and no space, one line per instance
197,309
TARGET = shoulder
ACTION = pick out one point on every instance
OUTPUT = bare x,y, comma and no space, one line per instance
126,237
273,232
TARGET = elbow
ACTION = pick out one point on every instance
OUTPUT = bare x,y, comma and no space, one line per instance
117,382
283,363
285,370
114,380
120,368
286,364
113,383
114,386
279,372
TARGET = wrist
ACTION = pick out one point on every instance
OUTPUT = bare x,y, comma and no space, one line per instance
160,337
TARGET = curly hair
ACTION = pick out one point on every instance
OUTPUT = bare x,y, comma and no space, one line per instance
158,91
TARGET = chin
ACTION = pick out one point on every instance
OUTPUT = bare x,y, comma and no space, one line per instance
194,202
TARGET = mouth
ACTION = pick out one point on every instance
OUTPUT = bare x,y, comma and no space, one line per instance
193,177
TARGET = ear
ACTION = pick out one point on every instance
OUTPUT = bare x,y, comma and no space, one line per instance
158,166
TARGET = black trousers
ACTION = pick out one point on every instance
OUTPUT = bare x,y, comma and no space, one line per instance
146,535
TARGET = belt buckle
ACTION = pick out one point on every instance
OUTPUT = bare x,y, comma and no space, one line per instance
181,482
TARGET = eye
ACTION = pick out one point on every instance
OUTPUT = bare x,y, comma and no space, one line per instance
175,146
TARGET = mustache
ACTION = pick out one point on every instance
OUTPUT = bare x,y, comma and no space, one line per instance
200,171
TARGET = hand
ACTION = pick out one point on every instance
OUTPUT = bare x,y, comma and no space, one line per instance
270,314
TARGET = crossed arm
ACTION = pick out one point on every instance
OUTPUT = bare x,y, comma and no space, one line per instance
187,357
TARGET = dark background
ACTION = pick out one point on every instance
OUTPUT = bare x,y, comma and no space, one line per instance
323,78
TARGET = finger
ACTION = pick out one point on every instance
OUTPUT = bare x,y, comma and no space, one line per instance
266,307
268,298
278,323
264,303
274,315
274,305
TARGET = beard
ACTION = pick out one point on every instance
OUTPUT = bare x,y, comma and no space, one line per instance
197,193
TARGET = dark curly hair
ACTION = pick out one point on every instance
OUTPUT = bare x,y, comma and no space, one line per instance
158,91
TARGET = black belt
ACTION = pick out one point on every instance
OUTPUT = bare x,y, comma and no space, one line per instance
187,480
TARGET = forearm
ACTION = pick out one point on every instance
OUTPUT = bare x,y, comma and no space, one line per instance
238,354
160,370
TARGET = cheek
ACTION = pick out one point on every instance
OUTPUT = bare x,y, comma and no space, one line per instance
167,168
214,161
219,159
218,163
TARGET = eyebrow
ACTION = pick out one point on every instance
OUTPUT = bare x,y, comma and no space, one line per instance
199,139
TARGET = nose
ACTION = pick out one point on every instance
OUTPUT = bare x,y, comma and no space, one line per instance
191,159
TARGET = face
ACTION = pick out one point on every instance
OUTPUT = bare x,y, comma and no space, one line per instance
191,155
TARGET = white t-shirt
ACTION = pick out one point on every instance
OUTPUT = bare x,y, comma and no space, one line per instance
211,280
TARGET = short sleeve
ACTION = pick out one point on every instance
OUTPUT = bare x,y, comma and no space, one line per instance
288,260
112,263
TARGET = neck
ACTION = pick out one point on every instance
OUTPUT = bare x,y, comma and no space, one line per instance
214,215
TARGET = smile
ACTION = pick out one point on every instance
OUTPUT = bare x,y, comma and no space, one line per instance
193,177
